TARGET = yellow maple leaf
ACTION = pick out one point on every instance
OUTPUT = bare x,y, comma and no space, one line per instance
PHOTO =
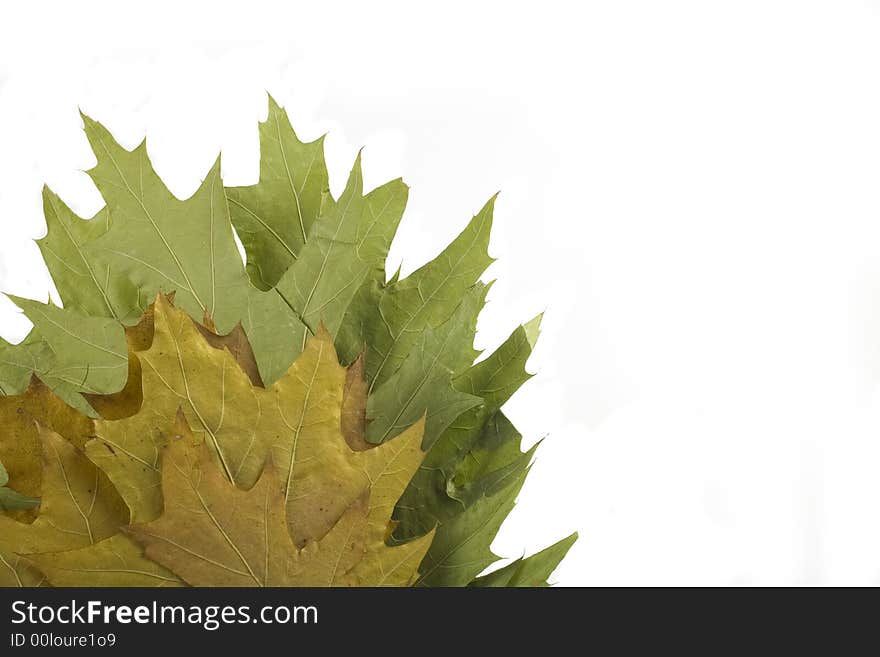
212,533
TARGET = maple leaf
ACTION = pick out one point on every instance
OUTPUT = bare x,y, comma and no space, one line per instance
391,321
461,547
116,561
163,244
21,450
424,380
90,353
180,369
248,355
348,243
297,420
71,352
480,451
89,287
274,217
212,533
469,480
78,505
530,571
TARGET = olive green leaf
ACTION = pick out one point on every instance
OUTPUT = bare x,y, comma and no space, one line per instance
461,547
530,571
425,299
424,381
345,246
480,450
274,331
84,285
90,352
274,217
163,244
18,362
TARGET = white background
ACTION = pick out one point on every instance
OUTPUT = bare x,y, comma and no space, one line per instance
691,190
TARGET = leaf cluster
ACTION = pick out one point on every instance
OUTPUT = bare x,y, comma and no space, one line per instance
267,407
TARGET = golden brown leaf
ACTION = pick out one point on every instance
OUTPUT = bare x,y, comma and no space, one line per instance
116,561
212,533
16,571
79,506
20,448
237,344
297,420
354,406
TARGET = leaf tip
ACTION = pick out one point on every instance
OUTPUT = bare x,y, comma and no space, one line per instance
532,329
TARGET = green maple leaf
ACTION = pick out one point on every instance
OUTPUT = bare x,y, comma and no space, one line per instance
471,474
461,547
90,352
187,247
166,244
311,260
274,217
424,381
480,450
89,287
72,352
390,320
314,252
19,361
345,246
529,571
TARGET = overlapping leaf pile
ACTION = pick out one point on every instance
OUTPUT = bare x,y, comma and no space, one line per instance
188,419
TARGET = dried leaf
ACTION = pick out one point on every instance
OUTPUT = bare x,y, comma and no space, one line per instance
212,533
79,506
354,406
530,571
11,500
20,443
116,561
273,218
